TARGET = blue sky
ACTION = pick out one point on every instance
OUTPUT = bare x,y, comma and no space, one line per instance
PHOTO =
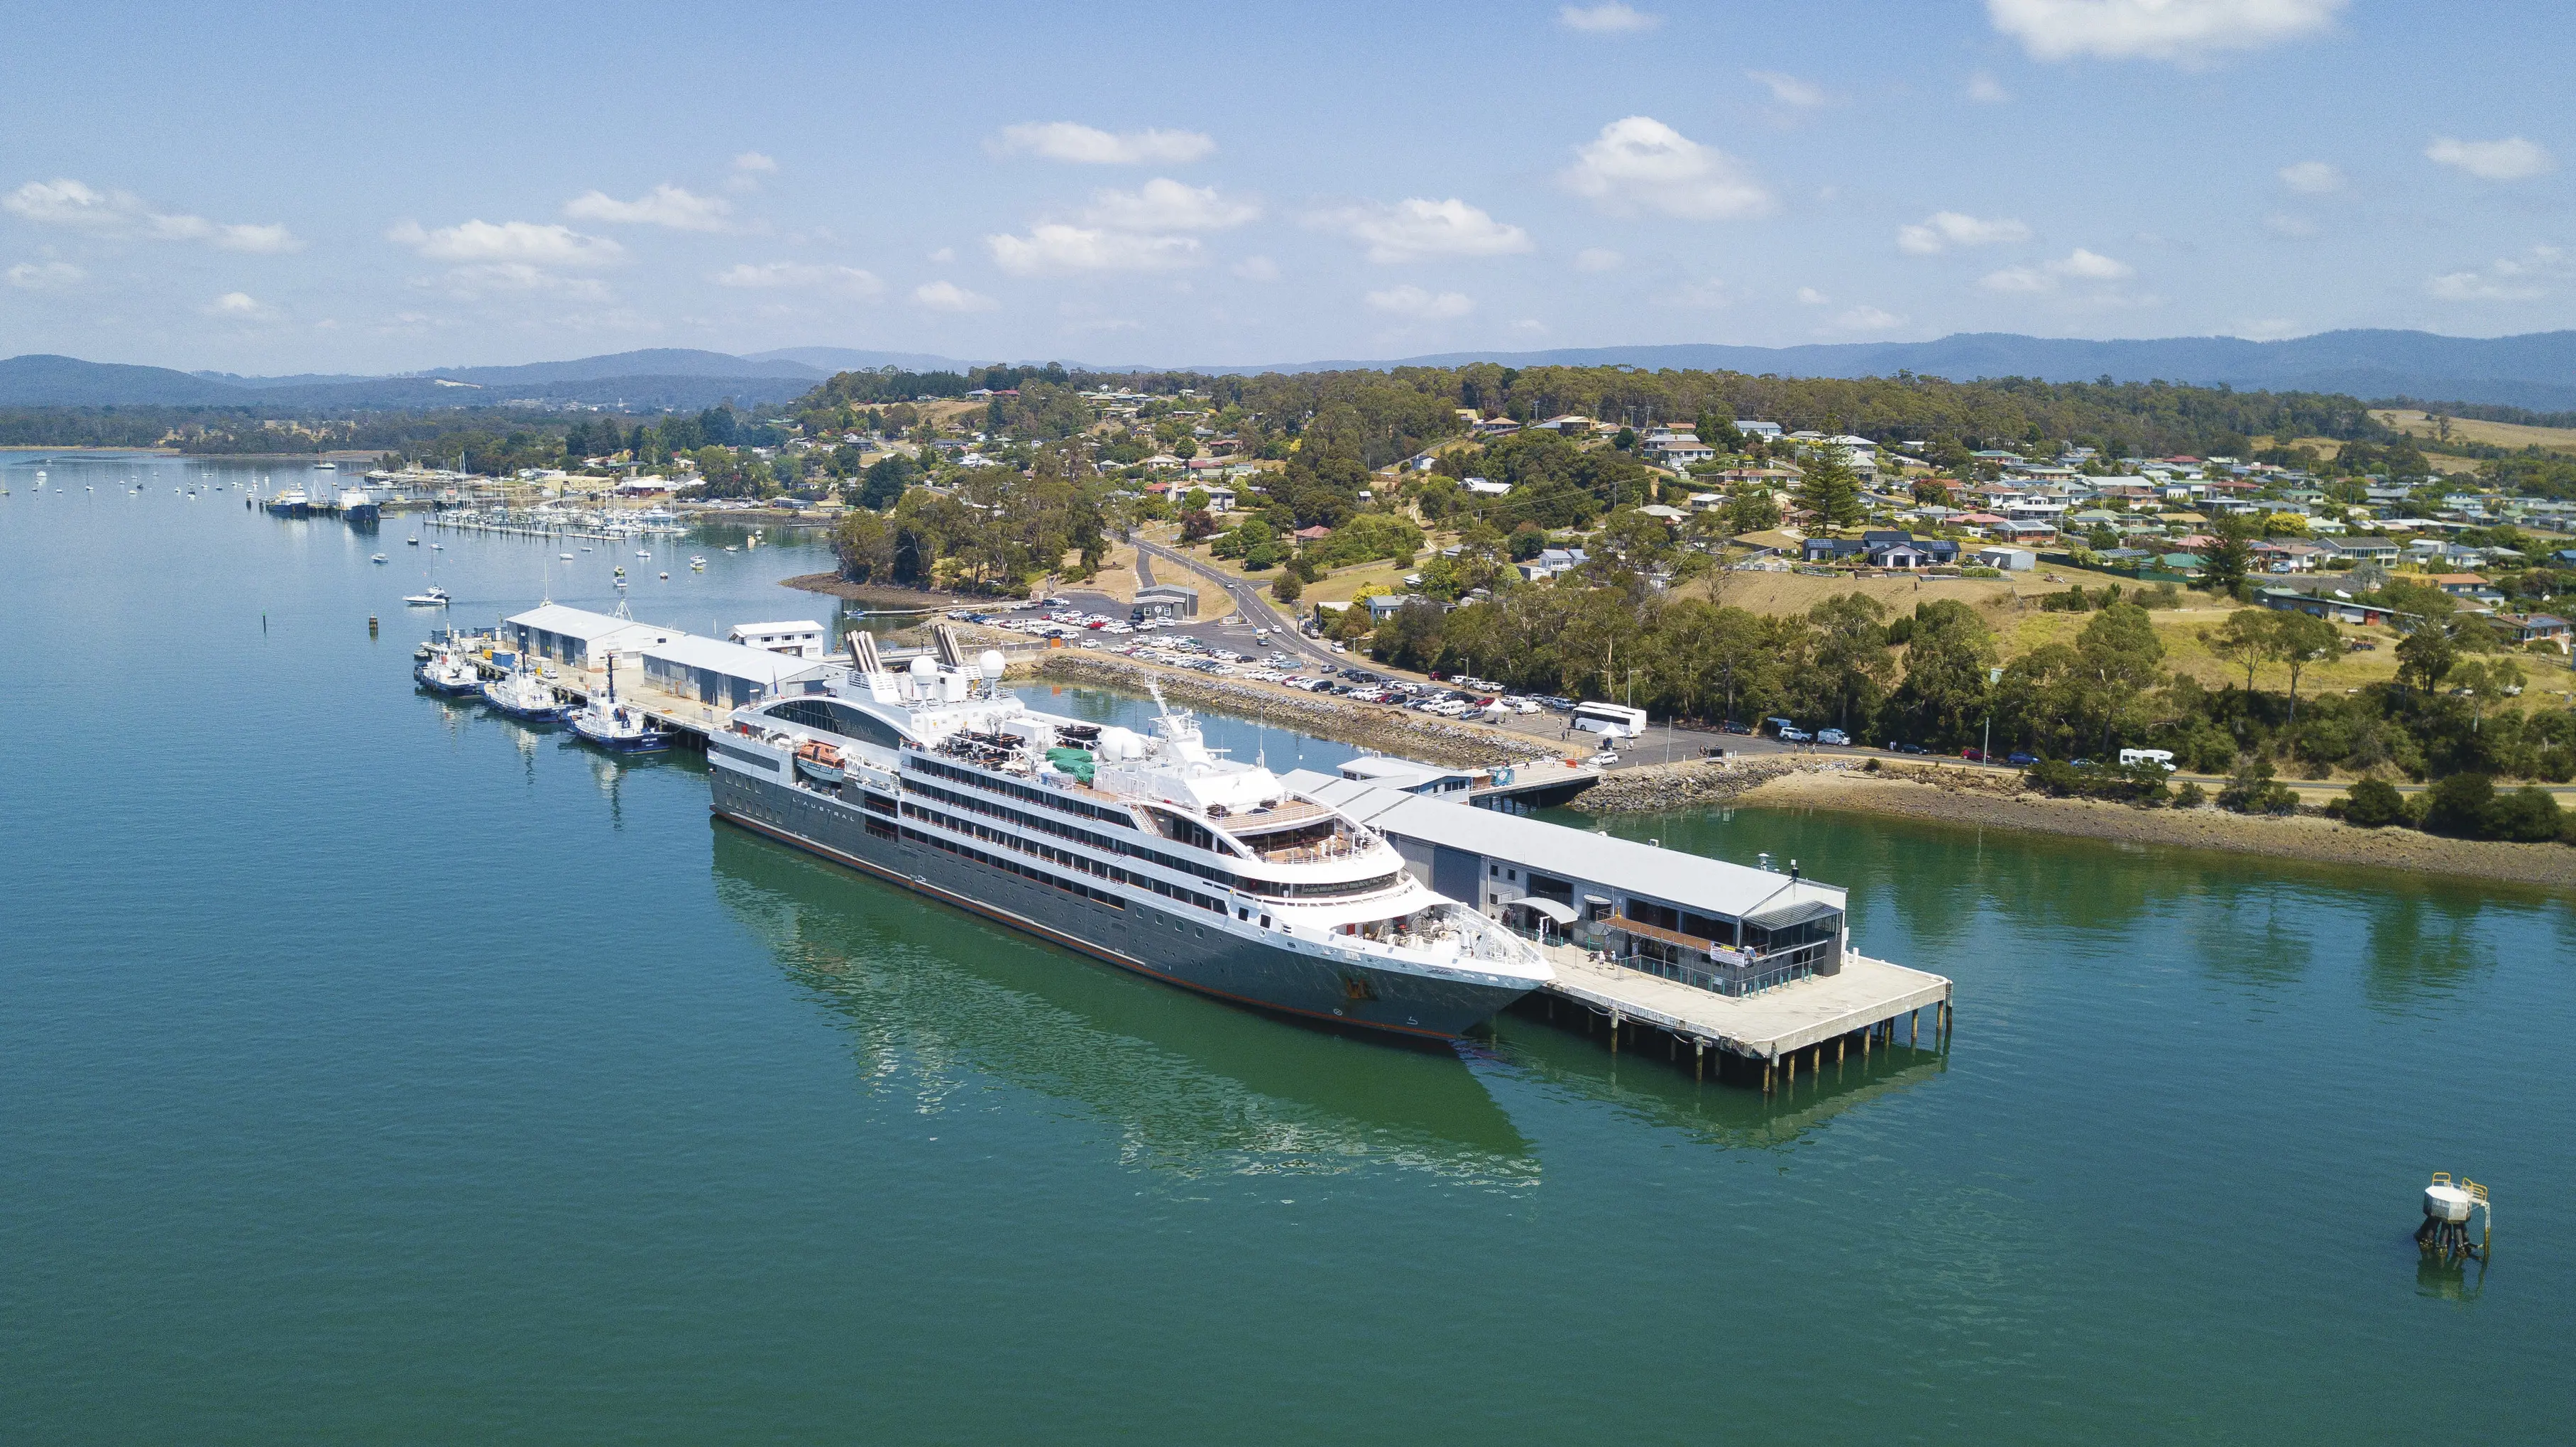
326,188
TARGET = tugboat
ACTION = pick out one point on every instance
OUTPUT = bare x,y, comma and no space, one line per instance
524,696
621,728
447,670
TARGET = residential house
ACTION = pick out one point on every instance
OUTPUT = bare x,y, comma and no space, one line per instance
1767,431
2523,628
2338,606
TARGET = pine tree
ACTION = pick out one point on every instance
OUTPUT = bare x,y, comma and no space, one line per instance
1831,492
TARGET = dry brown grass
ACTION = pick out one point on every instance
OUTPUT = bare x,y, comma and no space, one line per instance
2470,429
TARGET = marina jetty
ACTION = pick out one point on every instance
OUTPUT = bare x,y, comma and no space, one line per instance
1748,971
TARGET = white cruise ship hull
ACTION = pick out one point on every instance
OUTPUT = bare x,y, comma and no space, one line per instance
1172,943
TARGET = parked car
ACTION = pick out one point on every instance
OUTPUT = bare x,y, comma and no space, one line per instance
2021,760
1833,736
1897,748
1972,756
1732,727
1796,736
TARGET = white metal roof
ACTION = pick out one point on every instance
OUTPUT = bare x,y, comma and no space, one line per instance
1693,881
734,660
583,624
804,625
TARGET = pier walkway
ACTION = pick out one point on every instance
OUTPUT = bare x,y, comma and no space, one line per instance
1812,1021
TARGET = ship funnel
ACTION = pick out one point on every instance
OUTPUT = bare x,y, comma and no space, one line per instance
944,638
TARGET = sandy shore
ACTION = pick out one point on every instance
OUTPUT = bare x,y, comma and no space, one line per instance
2304,837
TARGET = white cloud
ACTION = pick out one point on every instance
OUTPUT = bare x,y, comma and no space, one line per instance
2091,266
755,161
1641,163
2312,178
2077,265
532,243
1610,18
1984,89
665,205
948,296
1867,319
1788,90
1163,204
1053,249
482,278
2513,278
66,202
1257,268
1416,228
2511,159
1090,146
1942,230
238,306
45,275
2190,32
1421,305
840,281
1809,296
1598,258
944,255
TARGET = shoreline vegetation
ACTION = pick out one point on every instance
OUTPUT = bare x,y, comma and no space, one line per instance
1930,793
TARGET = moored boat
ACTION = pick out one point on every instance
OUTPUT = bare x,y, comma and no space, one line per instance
450,671
622,727
523,695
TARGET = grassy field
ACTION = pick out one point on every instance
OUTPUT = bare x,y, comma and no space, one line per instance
2470,429
2449,466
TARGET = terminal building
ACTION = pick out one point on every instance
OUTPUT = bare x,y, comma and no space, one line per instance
1727,928
720,674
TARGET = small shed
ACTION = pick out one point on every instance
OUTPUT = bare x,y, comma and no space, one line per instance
801,639
1167,600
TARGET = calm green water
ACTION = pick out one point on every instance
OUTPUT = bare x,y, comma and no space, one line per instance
373,1069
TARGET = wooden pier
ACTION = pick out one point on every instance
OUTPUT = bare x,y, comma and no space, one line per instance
1806,1024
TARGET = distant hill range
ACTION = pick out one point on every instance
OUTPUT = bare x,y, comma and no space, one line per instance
2537,371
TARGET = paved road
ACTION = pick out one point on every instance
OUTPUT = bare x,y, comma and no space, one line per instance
1247,601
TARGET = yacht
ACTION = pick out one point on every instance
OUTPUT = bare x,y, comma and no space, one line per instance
377,558
432,596
448,670
621,727
1151,851
413,540
523,695
326,467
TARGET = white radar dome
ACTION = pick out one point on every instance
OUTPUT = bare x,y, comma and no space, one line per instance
990,661
924,669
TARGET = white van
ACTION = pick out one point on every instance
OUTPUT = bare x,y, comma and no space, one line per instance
2130,758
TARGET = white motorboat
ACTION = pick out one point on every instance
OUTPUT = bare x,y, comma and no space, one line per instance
450,671
377,558
412,541
432,596
567,557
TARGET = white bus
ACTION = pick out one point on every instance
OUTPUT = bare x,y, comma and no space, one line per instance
1610,720
2130,758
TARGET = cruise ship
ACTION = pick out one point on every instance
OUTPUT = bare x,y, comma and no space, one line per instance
1151,851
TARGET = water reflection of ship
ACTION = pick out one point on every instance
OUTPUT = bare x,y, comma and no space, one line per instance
1189,1085
1662,1092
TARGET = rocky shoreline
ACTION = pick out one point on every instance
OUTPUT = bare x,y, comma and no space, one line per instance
1975,799
1433,741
